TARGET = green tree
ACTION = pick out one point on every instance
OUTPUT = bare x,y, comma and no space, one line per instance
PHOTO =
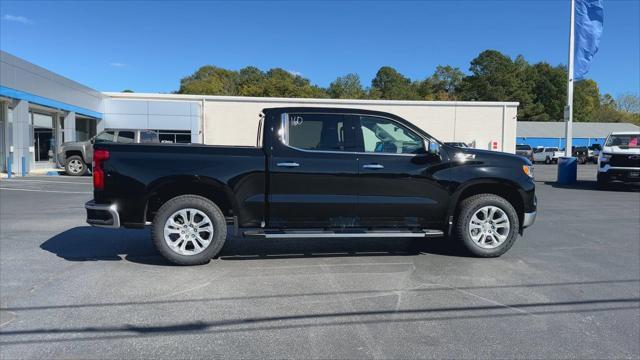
586,100
127,91
346,87
392,85
492,78
251,81
549,90
443,85
210,80
446,81
495,77
281,83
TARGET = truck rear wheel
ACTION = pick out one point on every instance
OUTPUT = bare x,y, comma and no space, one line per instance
487,225
75,166
189,230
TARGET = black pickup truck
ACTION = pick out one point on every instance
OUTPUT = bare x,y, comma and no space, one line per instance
315,172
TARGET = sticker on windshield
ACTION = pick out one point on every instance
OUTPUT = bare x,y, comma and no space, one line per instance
296,120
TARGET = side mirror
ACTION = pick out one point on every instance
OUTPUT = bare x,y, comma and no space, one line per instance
433,148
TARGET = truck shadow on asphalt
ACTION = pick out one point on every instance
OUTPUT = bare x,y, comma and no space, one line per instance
593,186
86,243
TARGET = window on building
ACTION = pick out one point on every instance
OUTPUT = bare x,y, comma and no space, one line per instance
174,136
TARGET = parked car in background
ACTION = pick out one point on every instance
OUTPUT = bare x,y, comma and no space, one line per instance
620,158
457,144
315,173
594,152
77,156
525,151
581,153
547,155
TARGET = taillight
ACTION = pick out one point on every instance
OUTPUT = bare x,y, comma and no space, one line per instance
99,157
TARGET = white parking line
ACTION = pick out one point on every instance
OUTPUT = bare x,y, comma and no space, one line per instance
47,191
47,181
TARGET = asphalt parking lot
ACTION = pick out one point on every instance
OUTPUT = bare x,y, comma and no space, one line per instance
570,288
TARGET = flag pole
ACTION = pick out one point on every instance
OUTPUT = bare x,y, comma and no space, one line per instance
568,113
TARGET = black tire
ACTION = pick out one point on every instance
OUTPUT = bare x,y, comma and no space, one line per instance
468,208
195,202
72,163
547,161
603,181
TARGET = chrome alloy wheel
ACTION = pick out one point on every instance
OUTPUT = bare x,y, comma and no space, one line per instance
75,166
188,231
489,227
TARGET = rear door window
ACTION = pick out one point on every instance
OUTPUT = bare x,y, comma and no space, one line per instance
319,132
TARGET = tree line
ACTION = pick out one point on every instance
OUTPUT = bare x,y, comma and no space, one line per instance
540,88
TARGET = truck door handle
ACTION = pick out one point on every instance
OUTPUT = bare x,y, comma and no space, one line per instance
289,164
373,166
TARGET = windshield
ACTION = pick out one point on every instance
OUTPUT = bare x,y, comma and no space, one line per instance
623,141
523,147
552,149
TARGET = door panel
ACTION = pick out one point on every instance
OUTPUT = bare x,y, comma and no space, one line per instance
315,183
400,184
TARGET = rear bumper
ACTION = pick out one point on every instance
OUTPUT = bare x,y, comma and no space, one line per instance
529,219
102,215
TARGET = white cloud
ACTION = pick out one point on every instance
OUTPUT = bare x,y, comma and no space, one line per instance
17,18
117,64
295,73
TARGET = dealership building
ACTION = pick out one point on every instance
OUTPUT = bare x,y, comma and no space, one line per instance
551,134
39,110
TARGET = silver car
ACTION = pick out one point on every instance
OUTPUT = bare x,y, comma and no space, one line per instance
76,156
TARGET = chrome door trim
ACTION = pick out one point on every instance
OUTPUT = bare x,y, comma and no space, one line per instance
373,166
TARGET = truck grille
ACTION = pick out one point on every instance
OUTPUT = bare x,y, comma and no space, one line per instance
624,160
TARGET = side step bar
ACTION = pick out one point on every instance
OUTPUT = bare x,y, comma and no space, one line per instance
308,234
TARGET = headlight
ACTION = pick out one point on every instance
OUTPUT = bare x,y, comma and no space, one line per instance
528,169
605,157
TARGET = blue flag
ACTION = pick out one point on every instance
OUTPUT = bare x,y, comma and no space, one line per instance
589,18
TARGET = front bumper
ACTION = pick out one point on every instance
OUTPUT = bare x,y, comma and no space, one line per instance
630,174
529,219
102,215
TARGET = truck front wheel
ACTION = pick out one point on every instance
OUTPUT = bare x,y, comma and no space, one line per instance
75,166
189,230
487,225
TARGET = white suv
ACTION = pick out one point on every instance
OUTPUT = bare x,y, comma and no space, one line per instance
620,158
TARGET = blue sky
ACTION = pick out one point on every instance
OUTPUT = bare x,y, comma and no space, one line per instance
149,46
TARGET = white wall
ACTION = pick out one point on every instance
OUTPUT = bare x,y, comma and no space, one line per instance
153,114
234,120
447,121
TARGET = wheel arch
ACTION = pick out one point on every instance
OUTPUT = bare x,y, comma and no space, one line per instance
503,188
70,153
164,189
